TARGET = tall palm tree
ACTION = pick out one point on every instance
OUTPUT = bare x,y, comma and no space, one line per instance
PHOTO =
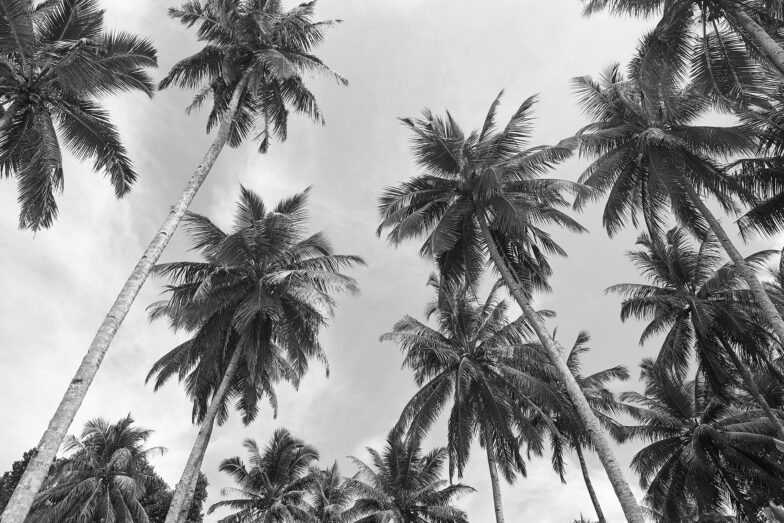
699,303
653,159
701,449
570,433
274,486
477,360
256,305
104,478
481,195
752,23
403,485
251,65
332,496
56,60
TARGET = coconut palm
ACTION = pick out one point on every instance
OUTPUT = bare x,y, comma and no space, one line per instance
569,432
56,60
476,359
701,450
251,63
481,195
274,486
652,159
255,305
699,303
403,485
103,479
331,496
739,26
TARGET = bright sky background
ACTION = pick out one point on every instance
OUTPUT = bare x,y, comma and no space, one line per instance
400,56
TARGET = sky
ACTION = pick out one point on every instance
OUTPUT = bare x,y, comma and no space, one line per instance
400,56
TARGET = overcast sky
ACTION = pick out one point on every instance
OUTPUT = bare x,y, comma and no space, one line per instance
400,56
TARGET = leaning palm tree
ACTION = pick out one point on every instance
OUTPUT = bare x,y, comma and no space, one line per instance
274,486
56,60
739,26
699,302
103,479
701,450
652,159
251,66
331,496
481,195
403,485
255,304
570,433
477,360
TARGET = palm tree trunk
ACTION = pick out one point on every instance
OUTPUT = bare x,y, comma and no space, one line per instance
753,389
22,499
190,493
591,492
746,272
9,114
622,490
494,482
759,37
190,474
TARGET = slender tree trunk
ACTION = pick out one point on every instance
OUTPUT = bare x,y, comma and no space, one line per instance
22,499
591,492
753,389
190,493
622,490
746,272
761,39
9,114
190,473
494,482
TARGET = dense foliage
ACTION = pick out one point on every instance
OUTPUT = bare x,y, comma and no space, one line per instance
710,418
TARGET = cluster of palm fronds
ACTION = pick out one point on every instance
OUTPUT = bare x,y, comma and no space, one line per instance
712,412
283,483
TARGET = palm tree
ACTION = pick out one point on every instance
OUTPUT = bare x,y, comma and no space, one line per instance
251,62
405,486
570,432
332,496
698,302
274,487
481,194
752,24
104,479
651,158
477,360
56,60
255,304
701,449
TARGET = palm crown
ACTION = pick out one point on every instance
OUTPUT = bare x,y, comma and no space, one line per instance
477,359
104,478
402,484
604,402
650,155
332,496
275,485
723,43
56,59
698,301
702,450
259,48
264,289
488,175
